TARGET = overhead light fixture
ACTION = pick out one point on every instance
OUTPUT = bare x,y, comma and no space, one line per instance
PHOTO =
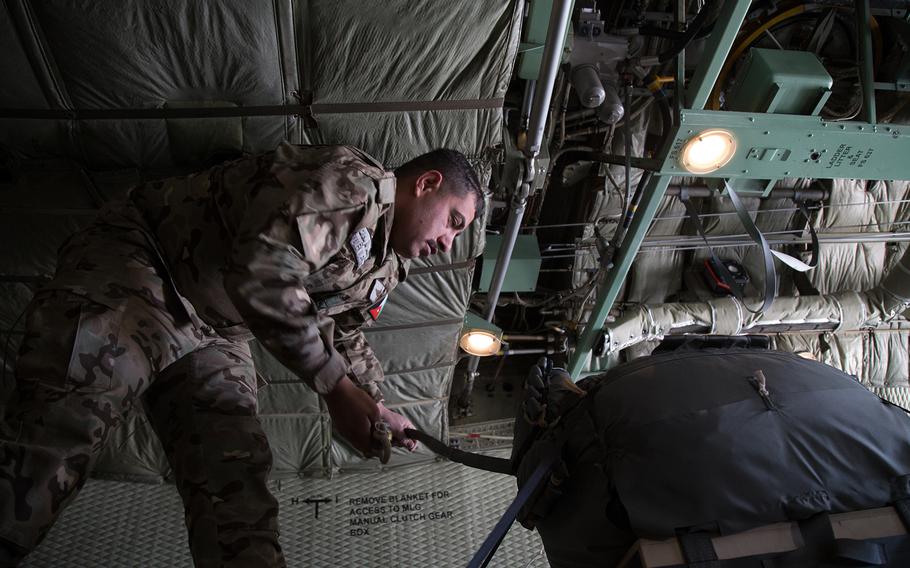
480,337
708,151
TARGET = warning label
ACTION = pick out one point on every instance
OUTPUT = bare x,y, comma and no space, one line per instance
358,516
370,510
846,155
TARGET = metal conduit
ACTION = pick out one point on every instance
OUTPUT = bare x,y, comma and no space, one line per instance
864,37
840,311
543,92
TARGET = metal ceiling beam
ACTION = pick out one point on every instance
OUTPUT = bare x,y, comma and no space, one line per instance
772,146
718,45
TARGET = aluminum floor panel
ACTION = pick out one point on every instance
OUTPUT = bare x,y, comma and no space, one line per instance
429,515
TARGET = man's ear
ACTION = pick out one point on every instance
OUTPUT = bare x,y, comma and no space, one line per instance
428,182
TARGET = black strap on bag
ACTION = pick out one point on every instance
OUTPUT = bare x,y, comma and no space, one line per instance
859,553
735,288
486,551
697,549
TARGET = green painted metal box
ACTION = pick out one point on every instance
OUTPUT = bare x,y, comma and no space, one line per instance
781,81
523,268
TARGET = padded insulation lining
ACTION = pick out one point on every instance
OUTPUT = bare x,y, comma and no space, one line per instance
117,56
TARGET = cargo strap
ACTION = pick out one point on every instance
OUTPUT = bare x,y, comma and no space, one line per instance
768,255
820,548
477,461
801,205
486,551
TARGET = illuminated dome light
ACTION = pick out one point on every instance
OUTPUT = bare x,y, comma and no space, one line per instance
480,337
480,343
708,151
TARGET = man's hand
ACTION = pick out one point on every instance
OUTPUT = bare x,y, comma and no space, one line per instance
398,423
353,414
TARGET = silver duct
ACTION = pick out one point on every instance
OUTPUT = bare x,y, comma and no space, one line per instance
840,311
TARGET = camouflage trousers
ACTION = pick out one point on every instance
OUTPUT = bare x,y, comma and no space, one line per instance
110,332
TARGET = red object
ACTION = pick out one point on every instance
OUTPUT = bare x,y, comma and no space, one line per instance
715,280
376,308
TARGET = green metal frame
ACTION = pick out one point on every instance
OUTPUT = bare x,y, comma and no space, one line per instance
785,145
768,146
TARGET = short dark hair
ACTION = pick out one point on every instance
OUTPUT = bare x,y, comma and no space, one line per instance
458,175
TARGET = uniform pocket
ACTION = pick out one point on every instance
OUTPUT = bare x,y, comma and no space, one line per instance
97,352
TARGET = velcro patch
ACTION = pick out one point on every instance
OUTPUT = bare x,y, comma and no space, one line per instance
377,290
376,308
361,242
329,302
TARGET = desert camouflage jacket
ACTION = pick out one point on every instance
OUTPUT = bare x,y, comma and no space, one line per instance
292,246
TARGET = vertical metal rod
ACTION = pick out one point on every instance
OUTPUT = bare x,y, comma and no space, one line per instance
864,36
627,139
679,92
549,66
526,103
552,54
718,46
509,237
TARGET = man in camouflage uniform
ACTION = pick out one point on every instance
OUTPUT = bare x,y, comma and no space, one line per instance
155,303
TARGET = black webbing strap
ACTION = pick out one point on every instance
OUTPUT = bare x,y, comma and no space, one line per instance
768,255
820,548
859,553
697,549
477,461
900,499
812,234
485,553
738,292
803,284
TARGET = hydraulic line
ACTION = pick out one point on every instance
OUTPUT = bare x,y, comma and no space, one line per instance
691,32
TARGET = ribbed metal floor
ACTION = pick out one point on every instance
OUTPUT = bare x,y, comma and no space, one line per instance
433,515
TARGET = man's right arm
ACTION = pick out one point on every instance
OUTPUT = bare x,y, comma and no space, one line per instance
266,283
280,243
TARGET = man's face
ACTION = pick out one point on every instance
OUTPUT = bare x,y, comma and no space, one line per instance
427,217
